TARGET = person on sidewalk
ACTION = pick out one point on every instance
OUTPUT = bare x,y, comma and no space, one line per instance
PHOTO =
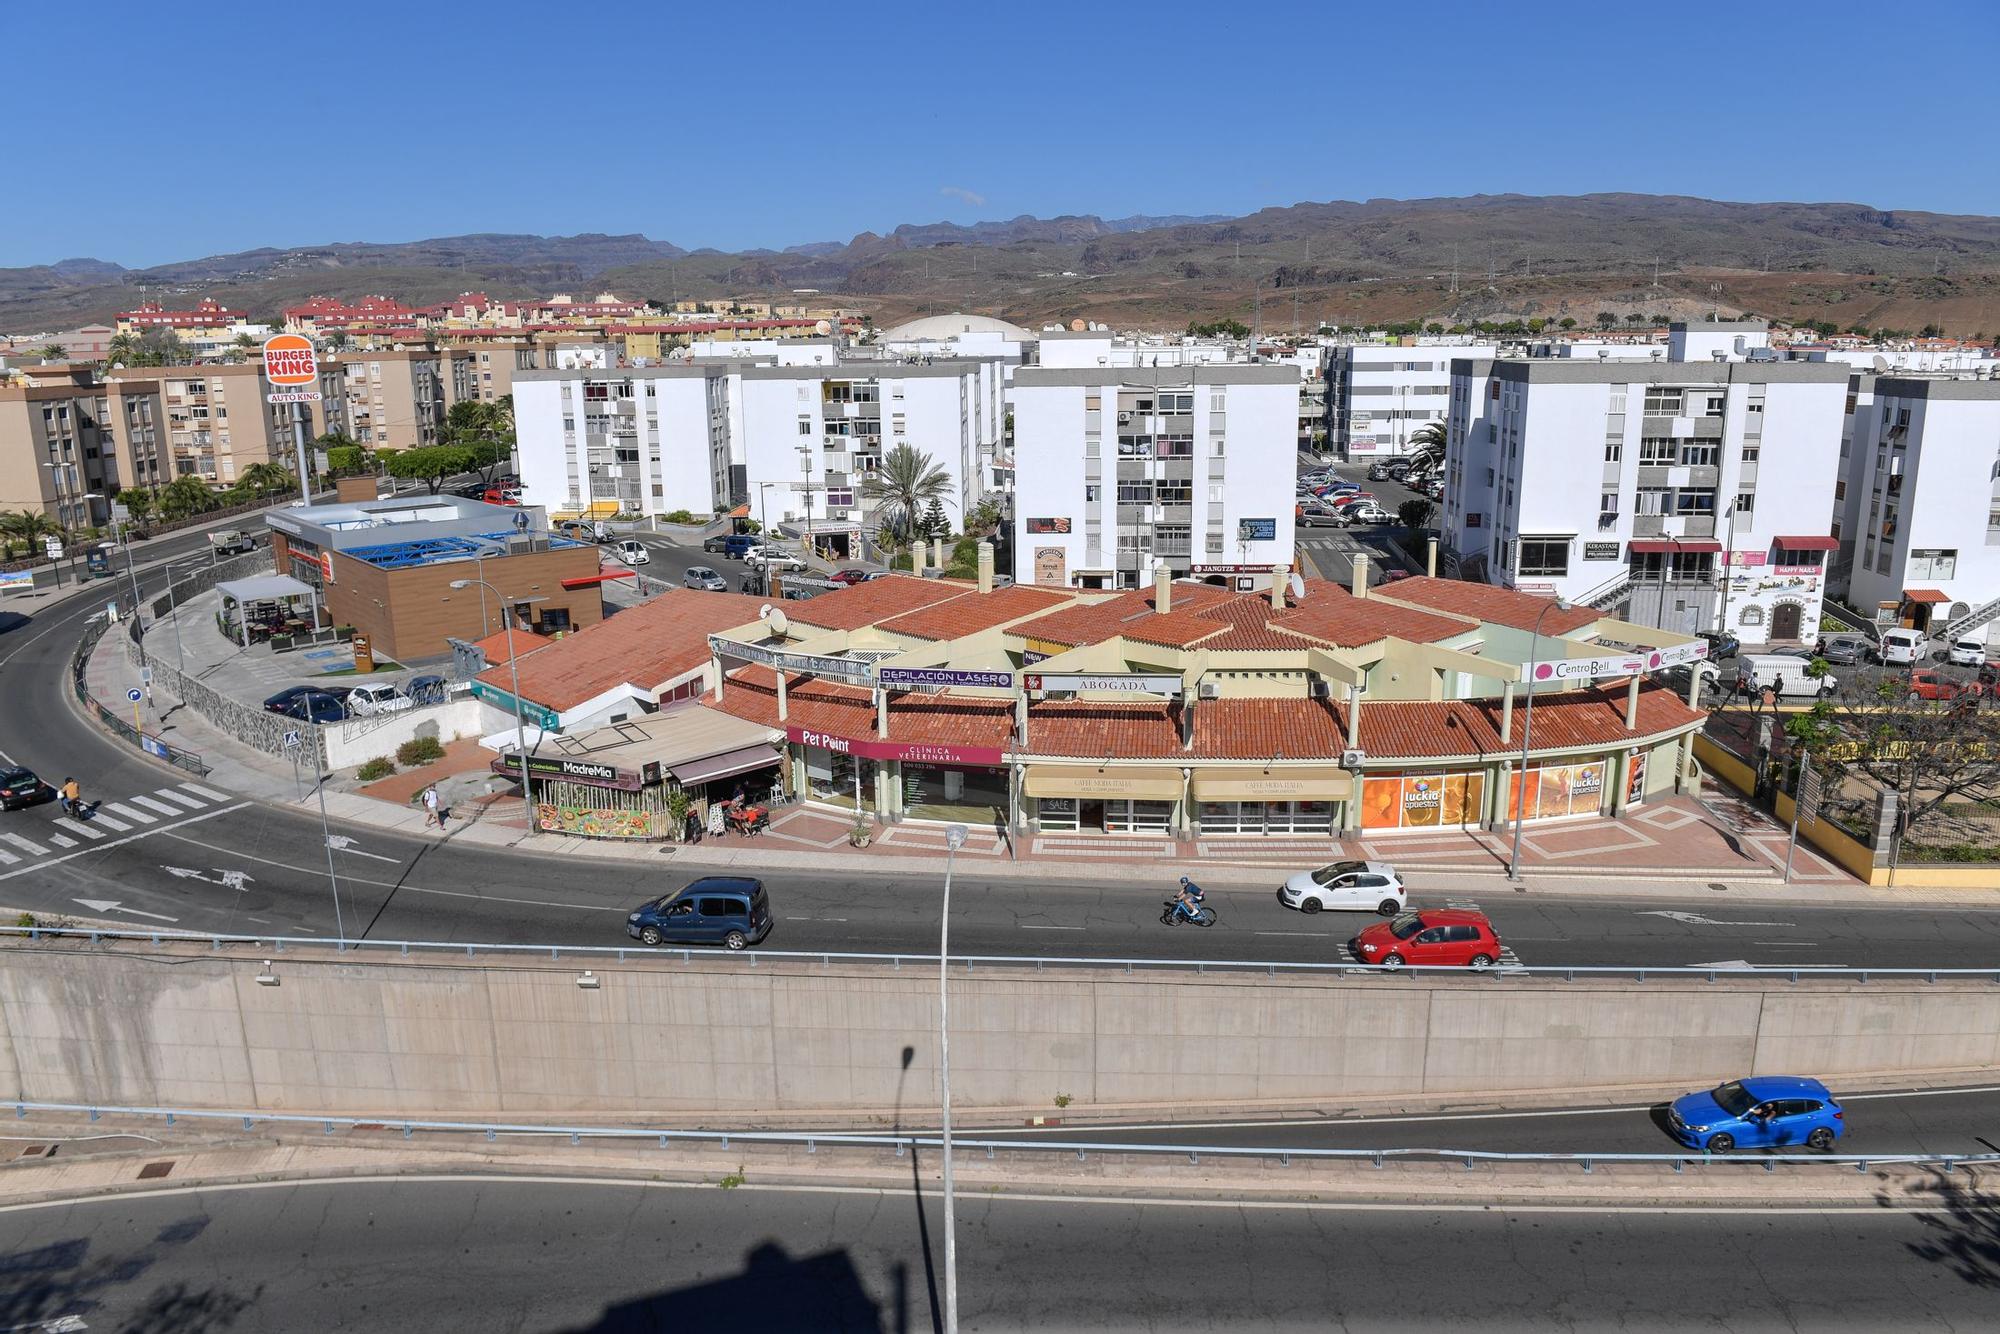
68,797
431,816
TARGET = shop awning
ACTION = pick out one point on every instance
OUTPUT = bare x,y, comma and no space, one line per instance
1652,544
1808,543
1300,783
726,765
1140,784
1925,595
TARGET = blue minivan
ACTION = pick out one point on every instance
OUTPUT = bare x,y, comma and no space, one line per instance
1762,1112
738,545
727,910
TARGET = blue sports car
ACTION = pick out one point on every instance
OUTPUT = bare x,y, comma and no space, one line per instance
1763,1112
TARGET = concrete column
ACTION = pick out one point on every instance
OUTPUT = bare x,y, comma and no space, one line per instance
1632,704
715,666
1278,573
783,713
937,552
1620,771
1353,717
1431,558
1360,574
986,567
1503,792
1350,817
1506,712
888,790
881,713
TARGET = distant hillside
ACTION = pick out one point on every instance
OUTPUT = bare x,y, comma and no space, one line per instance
1488,256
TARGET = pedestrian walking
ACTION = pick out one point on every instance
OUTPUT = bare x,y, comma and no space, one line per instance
431,814
68,797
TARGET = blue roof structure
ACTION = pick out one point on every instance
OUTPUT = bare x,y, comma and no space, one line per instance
431,550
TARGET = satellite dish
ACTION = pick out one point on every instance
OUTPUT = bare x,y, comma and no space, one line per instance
1076,326
779,622
1298,585
823,327
764,612
1881,362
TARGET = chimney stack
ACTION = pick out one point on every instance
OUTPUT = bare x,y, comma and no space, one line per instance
986,567
1163,590
1278,573
916,557
1431,558
937,552
1360,574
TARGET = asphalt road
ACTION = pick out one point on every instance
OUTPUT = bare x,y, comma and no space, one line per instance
184,868
1922,1121
573,1256
1331,551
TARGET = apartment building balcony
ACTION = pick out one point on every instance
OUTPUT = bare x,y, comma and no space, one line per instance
1177,513
1697,525
1135,514
625,407
1705,477
625,428
1177,469
1649,525
1172,547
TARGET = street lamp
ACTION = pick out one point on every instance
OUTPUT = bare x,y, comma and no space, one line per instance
954,839
1527,730
520,724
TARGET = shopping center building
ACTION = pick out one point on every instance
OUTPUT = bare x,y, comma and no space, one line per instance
1182,709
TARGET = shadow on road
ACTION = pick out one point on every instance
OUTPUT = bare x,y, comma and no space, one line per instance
43,1285
776,1293
1963,1230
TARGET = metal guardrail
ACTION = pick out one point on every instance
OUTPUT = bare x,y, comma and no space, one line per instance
690,955
812,1140
187,760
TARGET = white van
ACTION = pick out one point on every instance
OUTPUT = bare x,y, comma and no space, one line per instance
1903,648
1758,672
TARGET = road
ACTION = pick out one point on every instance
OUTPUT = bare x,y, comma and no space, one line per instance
192,856
1890,1121
1331,551
575,1256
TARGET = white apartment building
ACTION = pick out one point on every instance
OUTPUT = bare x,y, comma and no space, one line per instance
1121,471
1378,396
793,444
1923,487
1691,495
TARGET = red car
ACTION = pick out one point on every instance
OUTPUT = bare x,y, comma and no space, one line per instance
849,576
1926,684
1435,938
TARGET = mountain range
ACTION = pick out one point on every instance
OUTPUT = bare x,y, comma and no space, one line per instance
1344,262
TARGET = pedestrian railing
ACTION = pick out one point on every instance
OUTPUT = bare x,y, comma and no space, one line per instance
180,758
972,962
904,1142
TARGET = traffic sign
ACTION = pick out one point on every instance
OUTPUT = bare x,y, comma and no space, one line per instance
292,367
292,740
52,547
135,694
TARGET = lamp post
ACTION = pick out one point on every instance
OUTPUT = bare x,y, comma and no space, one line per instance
1728,559
520,724
1527,730
954,839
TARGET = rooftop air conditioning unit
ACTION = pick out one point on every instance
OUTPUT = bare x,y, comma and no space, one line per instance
1321,690
1353,759
1211,690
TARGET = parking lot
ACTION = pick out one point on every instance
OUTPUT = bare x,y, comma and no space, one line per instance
1330,551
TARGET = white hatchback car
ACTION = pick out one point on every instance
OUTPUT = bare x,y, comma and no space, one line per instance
1350,886
365,701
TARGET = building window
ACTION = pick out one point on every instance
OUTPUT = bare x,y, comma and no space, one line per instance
1751,453
1607,504
1698,456
1694,502
1543,557
1614,451
1746,504
1663,402
1658,450
1933,564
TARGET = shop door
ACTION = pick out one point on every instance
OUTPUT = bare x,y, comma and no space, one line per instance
1785,620
1090,815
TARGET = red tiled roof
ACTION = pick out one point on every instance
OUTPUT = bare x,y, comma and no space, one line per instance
1335,616
956,618
1926,595
1177,629
1572,719
642,646
751,693
1091,729
864,604
1486,602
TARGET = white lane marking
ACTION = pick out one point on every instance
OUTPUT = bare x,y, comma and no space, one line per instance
1030,926
25,845
61,841
201,791
120,809
113,905
342,843
159,806
7,858
76,828
1114,1201
1697,919
144,833
108,821
183,798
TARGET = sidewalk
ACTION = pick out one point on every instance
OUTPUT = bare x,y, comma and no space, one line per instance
1671,848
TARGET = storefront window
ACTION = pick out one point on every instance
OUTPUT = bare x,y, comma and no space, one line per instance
1137,817
953,792
1555,790
1057,814
831,778
1267,817
1421,801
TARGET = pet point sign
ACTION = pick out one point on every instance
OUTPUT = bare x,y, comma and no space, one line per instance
292,367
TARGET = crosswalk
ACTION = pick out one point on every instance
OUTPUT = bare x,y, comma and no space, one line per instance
59,835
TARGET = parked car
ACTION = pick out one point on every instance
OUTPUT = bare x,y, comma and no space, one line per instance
774,558
700,576
316,706
634,552
1926,684
1902,648
284,699
1317,514
1378,471
1762,1112
1355,886
1436,937
740,545
427,689
1845,650
1969,652
731,911
502,495
22,787
1721,644
1367,512
365,701
714,545
851,575
1758,672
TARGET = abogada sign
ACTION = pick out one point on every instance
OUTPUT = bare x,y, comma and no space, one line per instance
292,367
1035,682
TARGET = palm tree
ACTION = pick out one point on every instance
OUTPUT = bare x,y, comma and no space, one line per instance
905,481
138,502
123,347
263,478
185,495
30,526
54,352
1431,435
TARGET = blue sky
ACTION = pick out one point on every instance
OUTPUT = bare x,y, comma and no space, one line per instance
746,125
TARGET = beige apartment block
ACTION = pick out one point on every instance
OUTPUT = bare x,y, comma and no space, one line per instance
59,449
394,399
215,423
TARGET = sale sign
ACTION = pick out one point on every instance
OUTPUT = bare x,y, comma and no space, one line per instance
292,367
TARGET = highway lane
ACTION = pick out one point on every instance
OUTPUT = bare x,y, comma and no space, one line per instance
418,888
537,1256
1890,1121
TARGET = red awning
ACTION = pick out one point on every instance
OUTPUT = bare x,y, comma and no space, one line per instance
1809,543
1661,544
1925,595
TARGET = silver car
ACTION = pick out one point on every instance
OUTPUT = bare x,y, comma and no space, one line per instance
700,576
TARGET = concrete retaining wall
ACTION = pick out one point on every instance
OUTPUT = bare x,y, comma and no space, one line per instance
197,1030
358,739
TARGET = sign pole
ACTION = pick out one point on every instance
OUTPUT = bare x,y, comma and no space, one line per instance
1798,801
299,444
